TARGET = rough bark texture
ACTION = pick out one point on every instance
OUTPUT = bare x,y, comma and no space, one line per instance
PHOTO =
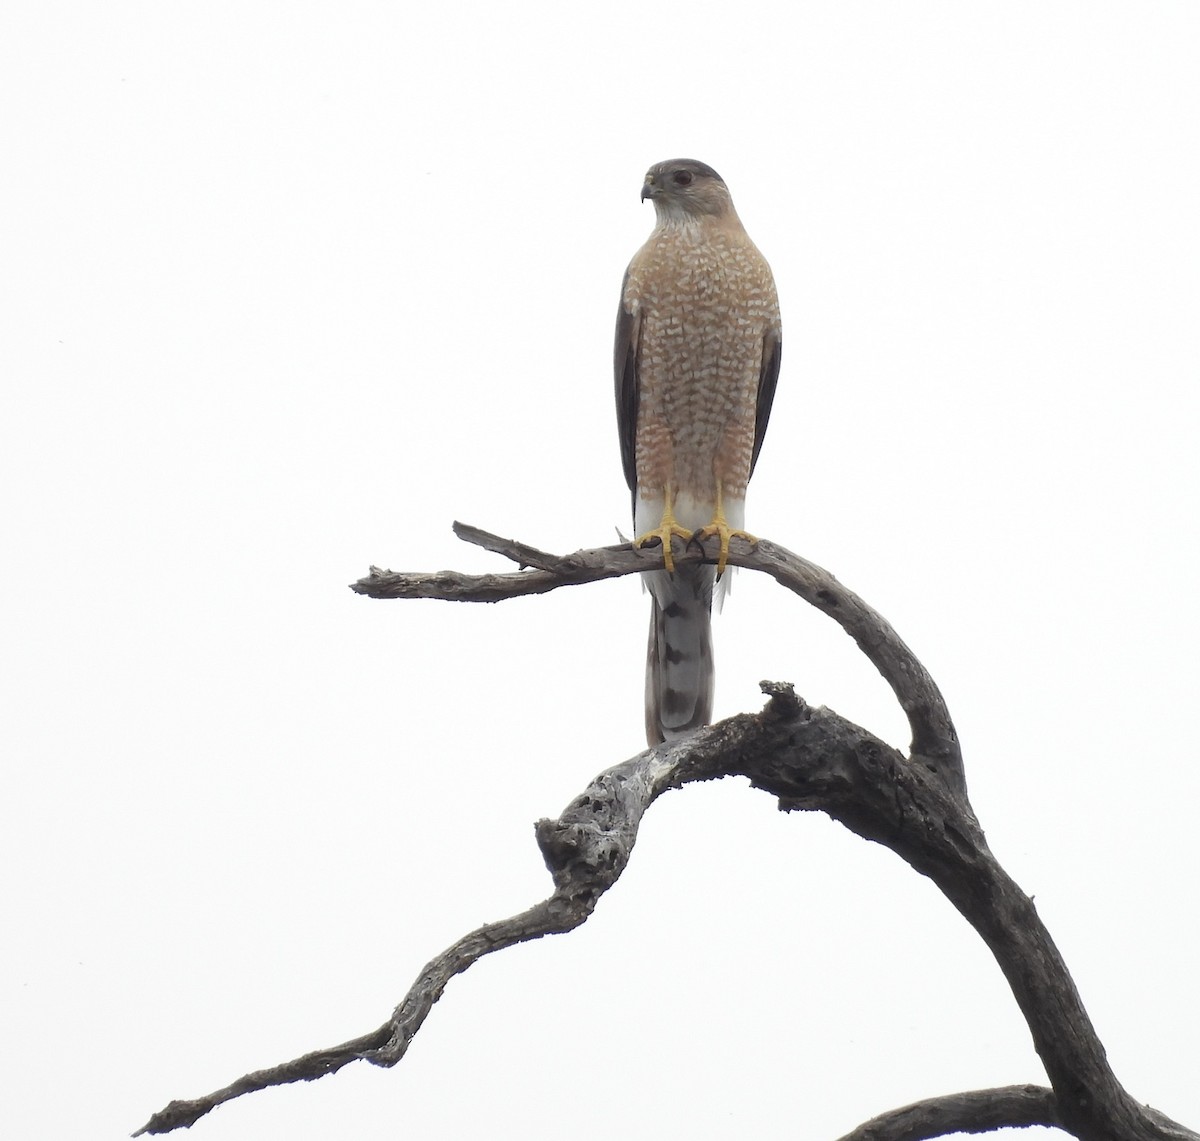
810,759
978,1111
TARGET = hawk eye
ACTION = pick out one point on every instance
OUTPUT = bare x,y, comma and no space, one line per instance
682,178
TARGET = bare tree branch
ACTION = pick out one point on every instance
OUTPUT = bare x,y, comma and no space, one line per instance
586,850
934,740
977,1111
881,796
812,760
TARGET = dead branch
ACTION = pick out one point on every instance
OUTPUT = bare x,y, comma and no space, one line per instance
934,741
974,1112
811,760
586,850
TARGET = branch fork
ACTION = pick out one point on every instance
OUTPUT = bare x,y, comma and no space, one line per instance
810,759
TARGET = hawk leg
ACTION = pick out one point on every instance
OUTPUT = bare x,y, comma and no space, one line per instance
666,531
720,528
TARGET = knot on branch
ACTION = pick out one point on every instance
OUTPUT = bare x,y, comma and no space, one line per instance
784,704
581,853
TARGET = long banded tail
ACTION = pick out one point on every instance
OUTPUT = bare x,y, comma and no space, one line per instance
679,657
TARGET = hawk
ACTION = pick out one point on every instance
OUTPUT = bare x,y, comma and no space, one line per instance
696,361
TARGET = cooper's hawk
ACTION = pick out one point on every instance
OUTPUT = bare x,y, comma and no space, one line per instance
697,358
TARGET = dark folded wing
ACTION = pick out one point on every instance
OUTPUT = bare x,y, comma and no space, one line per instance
767,378
625,373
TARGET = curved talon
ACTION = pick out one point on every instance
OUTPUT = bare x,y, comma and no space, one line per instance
719,528
664,533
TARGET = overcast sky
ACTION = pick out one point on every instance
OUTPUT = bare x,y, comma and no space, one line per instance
289,287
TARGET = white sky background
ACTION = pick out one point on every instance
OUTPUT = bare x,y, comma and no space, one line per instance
289,287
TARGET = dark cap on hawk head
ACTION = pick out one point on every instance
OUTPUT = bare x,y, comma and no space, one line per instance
682,186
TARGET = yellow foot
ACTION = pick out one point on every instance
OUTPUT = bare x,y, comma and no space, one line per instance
664,534
723,531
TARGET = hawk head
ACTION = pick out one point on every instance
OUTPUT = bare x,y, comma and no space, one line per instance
683,188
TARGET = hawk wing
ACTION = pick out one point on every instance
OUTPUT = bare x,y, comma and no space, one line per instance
625,373
767,377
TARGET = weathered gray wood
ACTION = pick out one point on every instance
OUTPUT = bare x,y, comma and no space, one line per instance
811,759
934,741
976,1111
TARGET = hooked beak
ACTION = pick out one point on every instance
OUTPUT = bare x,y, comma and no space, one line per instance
649,190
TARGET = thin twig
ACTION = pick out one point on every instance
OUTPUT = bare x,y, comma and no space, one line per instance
521,553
